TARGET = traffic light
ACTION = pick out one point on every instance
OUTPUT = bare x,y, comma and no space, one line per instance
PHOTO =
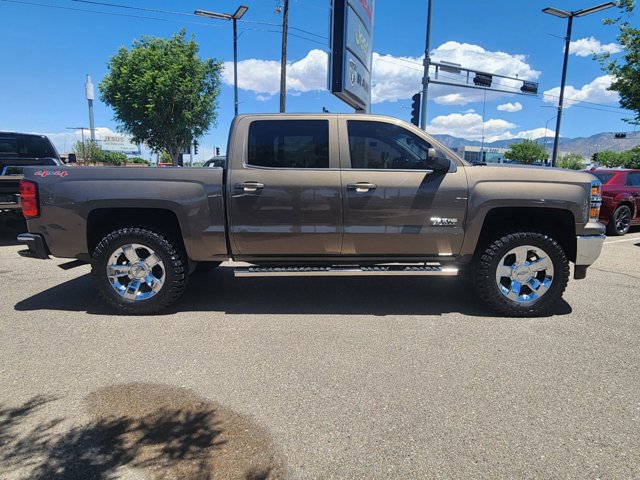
529,87
620,135
217,151
483,79
415,109
195,147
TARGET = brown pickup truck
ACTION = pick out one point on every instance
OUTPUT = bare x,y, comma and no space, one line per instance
320,194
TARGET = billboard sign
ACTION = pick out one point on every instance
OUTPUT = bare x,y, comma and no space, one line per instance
118,143
351,51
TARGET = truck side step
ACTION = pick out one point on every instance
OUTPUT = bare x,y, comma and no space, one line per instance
350,270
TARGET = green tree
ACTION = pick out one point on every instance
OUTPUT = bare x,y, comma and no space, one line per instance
625,68
526,152
572,161
114,158
609,158
162,93
89,151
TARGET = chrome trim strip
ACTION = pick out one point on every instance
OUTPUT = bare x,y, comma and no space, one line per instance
337,272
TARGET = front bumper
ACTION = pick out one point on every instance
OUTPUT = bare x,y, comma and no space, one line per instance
36,246
588,248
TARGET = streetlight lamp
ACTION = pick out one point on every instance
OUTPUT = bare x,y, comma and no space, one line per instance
235,17
569,15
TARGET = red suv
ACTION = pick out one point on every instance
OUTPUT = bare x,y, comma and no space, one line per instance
620,199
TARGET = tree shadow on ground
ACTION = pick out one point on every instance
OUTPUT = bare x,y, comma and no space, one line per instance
167,433
219,290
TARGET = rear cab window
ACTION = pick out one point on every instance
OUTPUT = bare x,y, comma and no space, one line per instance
26,146
289,144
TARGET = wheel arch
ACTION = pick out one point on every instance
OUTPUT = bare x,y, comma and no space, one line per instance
102,221
557,223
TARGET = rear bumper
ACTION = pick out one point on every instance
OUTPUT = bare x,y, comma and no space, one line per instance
36,246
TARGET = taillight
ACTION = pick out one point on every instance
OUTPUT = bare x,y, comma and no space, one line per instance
29,199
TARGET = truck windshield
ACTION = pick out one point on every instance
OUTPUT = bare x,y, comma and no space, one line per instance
25,146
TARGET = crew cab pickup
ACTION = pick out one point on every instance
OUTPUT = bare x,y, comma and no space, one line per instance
16,151
320,194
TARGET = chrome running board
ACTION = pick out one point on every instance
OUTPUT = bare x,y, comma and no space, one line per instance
350,270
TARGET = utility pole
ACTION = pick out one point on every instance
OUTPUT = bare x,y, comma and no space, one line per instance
90,94
283,61
425,78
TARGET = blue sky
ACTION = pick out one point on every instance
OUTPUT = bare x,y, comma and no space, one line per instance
47,53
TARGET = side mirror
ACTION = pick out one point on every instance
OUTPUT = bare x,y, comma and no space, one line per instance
438,161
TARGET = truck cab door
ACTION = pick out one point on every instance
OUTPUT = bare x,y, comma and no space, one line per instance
401,197
283,187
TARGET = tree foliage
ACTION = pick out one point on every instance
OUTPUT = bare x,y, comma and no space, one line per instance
626,159
162,93
89,151
527,152
572,161
626,67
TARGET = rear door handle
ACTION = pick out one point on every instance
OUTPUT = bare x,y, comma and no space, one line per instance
249,186
361,187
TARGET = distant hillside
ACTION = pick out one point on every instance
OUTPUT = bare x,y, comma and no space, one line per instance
585,146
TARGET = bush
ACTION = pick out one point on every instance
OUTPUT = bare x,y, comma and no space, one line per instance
114,158
137,161
572,161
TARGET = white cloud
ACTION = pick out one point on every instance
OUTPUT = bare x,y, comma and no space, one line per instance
263,76
535,133
585,47
393,78
469,126
595,92
510,107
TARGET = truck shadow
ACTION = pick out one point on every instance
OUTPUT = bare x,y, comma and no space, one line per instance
10,227
220,291
161,431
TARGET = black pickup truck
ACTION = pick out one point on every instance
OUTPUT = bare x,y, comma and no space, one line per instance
18,150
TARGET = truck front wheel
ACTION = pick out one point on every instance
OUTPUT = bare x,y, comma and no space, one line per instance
139,271
521,274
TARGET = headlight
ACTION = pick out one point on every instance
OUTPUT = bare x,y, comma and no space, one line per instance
596,199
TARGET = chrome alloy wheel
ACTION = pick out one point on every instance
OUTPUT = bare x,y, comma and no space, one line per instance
524,274
622,219
136,272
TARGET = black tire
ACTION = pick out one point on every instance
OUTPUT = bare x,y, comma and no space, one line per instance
497,254
620,221
172,259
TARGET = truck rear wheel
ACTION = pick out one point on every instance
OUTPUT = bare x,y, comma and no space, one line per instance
139,271
521,274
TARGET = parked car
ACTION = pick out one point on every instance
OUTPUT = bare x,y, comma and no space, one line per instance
319,195
18,150
620,199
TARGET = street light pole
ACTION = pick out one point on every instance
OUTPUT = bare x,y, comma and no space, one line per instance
239,13
425,78
283,60
567,41
90,94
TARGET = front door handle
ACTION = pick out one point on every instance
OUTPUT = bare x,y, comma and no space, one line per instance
249,187
361,187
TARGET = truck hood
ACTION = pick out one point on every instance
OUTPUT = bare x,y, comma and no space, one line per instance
525,173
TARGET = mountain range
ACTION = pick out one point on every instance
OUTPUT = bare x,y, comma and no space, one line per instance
585,146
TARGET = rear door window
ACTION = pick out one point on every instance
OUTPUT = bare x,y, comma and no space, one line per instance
633,179
289,144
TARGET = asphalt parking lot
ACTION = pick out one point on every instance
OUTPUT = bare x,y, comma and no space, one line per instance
318,378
